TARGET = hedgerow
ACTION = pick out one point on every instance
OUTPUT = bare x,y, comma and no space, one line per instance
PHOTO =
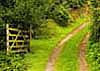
94,43
12,62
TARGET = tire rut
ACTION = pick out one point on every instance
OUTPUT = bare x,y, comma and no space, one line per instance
82,54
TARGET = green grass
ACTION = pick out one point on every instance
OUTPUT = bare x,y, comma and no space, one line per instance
68,59
42,48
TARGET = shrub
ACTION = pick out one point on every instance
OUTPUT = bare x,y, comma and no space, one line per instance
94,45
13,62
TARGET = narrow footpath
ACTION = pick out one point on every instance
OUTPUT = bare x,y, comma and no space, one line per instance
82,54
55,53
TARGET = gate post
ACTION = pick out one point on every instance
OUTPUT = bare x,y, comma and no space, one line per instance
7,38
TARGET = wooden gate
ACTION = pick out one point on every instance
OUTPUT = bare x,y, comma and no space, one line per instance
17,38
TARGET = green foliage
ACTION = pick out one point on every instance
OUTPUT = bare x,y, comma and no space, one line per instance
74,4
96,26
93,50
13,62
24,12
95,37
58,10
94,56
59,15
36,12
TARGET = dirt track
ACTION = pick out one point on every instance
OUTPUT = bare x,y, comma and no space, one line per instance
55,53
82,58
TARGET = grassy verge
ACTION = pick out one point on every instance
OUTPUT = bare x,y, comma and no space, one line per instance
42,48
68,59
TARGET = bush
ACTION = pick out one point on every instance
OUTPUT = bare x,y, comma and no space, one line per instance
94,56
94,45
13,62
